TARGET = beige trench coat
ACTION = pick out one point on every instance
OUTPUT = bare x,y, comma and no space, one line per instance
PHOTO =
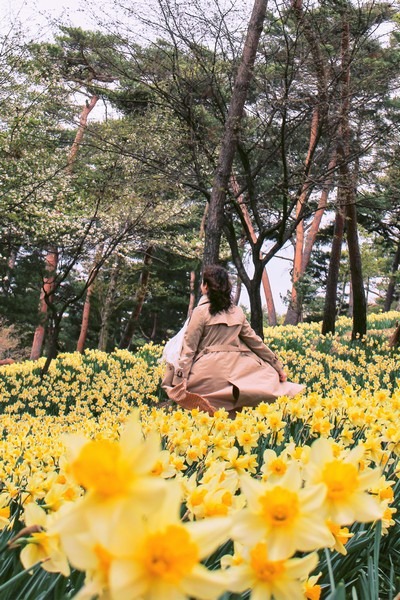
225,362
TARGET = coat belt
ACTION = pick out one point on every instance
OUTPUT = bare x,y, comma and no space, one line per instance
221,348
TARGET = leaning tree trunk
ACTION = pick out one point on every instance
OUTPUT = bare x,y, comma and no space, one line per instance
89,106
294,311
393,280
244,75
304,246
53,251
88,301
85,320
139,300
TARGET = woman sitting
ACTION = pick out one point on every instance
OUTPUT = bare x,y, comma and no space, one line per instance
223,363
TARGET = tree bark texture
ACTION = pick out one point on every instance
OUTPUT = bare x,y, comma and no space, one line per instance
108,303
329,318
256,319
244,75
192,296
253,238
238,291
293,315
89,106
322,204
359,301
51,261
304,246
85,320
139,300
392,281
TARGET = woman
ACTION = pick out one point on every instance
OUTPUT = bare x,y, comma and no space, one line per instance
222,360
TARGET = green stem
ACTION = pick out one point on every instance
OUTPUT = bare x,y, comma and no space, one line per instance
21,575
330,570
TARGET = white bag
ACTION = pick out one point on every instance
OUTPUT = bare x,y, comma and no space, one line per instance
173,347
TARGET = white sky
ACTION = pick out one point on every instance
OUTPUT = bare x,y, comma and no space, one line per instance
39,17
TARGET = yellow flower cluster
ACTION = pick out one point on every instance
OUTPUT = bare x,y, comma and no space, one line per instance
86,383
167,503
125,529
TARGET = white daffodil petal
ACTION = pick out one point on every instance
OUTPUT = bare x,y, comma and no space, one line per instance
208,534
204,584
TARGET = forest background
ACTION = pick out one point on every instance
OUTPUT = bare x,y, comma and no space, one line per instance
114,139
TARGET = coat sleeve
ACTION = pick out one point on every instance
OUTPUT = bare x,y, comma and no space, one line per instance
190,346
255,343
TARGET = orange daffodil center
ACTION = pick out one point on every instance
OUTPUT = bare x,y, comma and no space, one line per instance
169,555
264,569
287,515
341,480
347,484
100,467
104,558
280,507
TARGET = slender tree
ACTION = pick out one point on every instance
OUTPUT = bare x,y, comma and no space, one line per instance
215,217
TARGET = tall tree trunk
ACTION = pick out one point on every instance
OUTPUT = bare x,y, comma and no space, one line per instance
322,204
329,318
87,304
89,106
392,281
238,291
252,285
256,319
359,302
253,237
294,311
108,302
85,320
304,246
215,216
357,283
52,345
154,330
192,296
139,300
51,261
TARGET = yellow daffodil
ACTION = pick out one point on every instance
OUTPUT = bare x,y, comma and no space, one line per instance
109,469
271,579
273,466
43,545
311,589
286,514
347,497
150,555
341,535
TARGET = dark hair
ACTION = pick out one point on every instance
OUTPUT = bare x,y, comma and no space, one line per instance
219,288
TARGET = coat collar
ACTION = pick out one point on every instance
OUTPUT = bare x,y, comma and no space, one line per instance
203,300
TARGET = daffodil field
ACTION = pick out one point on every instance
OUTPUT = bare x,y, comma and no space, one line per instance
109,493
